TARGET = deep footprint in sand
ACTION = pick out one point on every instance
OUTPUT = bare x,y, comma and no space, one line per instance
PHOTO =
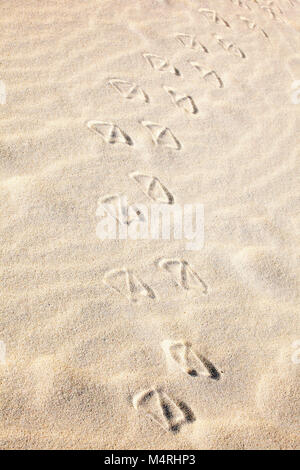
181,354
157,405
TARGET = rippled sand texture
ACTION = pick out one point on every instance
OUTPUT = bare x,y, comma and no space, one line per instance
204,353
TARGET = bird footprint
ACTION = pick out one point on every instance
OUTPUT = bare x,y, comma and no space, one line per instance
182,354
110,133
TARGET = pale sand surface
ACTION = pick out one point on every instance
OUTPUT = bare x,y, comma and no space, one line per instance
79,352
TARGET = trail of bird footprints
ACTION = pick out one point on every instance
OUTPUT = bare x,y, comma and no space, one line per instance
154,403
269,7
163,136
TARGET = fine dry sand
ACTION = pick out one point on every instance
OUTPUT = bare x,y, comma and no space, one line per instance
207,362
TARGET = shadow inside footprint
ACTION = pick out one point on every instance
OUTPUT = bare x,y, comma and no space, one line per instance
189,415
214,373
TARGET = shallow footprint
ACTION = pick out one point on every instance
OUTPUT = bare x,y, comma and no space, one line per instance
129,90
160,64
183,274
184,357
229,46
127,284
110,133
209,76
184,102
252,26
213,17
241,4
189,41
157,405
162,135
116,206
268,10
153,188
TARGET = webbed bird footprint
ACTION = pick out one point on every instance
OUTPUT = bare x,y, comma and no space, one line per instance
270,12
158,406
209,76
110,133
117,207
241,3
229,46
160,64
127,284
184,102
153,188
129,90
183,274
182,355
190,41
213,17
162,135
252,26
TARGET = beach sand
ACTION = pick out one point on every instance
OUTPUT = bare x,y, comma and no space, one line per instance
200,352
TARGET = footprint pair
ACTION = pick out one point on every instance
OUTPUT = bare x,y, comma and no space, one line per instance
112,134
157,405
126,283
